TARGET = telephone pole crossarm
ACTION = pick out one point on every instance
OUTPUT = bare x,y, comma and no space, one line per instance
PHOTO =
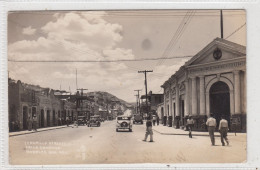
146,71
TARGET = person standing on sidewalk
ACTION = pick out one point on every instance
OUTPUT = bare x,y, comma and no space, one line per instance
149,130
154,120
67,121
211,123
29,123
35,123
158,120
190,123
223,129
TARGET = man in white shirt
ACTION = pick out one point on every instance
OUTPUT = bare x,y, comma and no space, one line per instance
190,123
223,129
211,123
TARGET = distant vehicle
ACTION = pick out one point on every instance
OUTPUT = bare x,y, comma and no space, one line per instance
82,120
94,121
138,119
123,122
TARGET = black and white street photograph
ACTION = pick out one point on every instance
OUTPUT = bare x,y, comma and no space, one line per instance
127,86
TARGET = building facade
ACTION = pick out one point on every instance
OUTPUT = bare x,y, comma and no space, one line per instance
26,101
153,101
212,81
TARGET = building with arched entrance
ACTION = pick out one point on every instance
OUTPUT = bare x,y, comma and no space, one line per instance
212,81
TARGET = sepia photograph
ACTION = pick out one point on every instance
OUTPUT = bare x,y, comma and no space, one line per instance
127,86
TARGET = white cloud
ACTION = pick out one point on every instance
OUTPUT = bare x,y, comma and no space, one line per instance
74,36
29,31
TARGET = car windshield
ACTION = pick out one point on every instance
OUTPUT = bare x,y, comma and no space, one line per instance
123,118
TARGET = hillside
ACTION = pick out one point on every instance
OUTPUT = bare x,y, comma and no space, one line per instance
104,98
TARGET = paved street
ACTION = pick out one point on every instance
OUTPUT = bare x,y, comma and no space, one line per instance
95,145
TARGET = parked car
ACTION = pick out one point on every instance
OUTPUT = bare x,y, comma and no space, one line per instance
123,122
82,120
138,119
94,121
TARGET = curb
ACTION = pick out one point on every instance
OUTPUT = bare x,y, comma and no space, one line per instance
29,132
183,134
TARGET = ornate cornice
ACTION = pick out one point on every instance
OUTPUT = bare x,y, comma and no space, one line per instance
214,67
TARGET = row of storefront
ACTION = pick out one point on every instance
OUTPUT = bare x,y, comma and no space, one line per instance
212,81
27,101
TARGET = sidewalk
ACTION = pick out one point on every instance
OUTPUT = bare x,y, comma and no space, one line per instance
38,130
165,130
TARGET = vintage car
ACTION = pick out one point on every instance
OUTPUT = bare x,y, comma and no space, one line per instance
82,120
94,121
123,123
138,119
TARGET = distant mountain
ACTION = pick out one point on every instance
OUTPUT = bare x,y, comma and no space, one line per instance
105,98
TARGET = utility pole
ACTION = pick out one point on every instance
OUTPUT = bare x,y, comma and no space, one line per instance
138,102
221,23
146,71
80,102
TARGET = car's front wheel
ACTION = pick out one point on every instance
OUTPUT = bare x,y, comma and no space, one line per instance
116,130
130,130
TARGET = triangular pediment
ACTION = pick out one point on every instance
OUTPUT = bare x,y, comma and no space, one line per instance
218,50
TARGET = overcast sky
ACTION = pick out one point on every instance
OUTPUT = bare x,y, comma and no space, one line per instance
112,35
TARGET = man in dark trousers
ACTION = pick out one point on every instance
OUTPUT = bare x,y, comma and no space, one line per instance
211,123
223,129
35,123
67,120
158,120
190,123
149,130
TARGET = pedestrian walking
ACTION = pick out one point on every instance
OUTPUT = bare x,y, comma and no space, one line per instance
154,120
149,130
211,123
67,121
29,123
158,120
35,123
223,129
190,124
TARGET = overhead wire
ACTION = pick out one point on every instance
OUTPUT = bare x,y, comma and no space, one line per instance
235,31
183,25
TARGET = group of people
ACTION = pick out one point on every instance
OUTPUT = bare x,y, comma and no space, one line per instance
223,129
211,124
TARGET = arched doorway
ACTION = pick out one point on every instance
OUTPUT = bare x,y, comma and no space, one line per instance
42,118
48,118
220,100
53,118
25,117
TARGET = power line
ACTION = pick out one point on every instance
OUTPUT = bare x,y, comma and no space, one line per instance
236,30
184,23
138,13
96,61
